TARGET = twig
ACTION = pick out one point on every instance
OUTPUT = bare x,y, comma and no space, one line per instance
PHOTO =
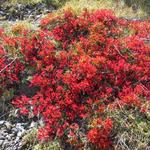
8,65
118,52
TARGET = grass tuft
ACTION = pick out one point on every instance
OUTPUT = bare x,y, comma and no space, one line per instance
30,141
120,8
132,128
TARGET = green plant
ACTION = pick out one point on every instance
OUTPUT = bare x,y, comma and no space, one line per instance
30,141
131,127
82,65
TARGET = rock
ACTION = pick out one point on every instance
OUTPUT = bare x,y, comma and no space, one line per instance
1,142
14,130
4,133
24,11
17,139
6,143
11,134
2,138
20,134
2,122
8,137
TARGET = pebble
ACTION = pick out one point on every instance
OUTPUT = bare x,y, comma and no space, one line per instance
20,134
2,122
23,11
2,137
11,134
14,130
1,142
8,137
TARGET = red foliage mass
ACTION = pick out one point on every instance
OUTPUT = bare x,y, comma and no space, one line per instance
82,64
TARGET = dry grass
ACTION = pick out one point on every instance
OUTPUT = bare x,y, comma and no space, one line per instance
20,26
120,9
131,128
25,1
30,141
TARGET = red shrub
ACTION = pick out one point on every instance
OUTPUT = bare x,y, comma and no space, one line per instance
10,67
82,64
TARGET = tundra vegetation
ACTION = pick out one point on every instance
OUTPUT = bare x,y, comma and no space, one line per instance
89,68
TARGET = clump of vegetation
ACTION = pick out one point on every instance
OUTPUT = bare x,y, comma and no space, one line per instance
143,4
83,65
91,74
119,7
20,26
57,3
131,127
30,141
122,8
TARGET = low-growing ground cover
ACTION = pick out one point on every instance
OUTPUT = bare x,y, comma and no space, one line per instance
92,79
120,8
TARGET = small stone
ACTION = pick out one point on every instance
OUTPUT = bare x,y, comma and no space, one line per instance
14,130
11,135
2,137
6,144
3,129
8,137
2,122
4,133
1,142
20,134
17,139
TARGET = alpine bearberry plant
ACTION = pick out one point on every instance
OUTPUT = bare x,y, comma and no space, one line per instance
83,66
